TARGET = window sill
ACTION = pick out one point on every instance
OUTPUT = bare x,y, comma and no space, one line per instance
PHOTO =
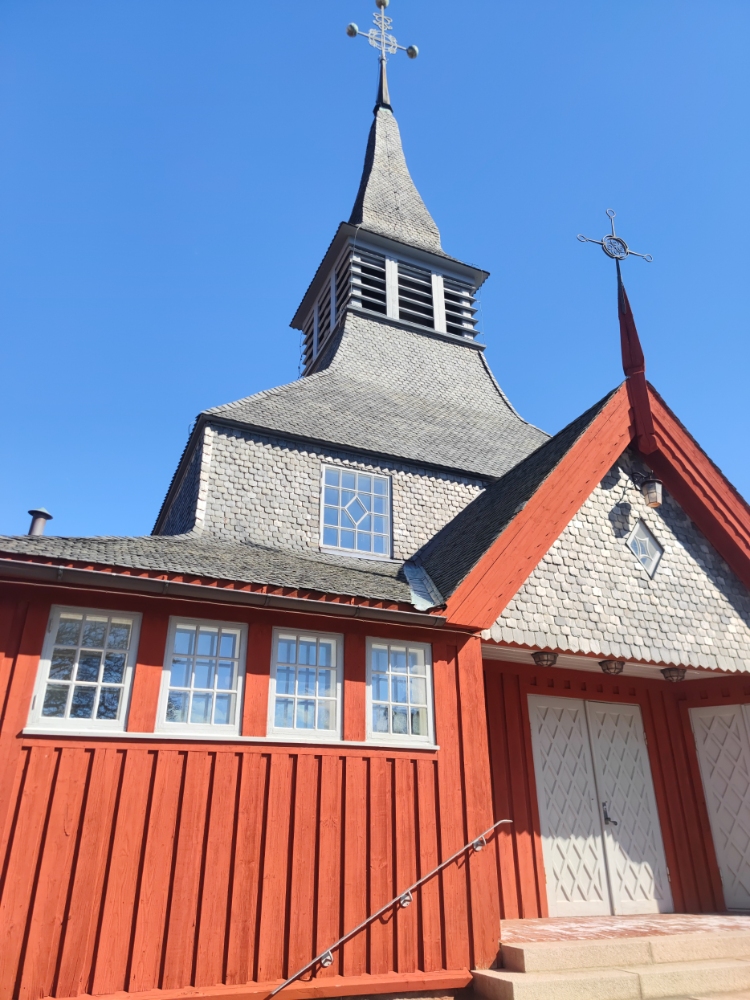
233,738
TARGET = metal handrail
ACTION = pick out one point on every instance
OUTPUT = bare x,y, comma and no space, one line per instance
403,900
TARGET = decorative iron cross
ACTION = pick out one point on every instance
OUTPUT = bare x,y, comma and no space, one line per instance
380,36
613,245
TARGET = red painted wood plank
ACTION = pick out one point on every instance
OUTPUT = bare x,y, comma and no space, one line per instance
531,874
156,875
212,931
485,906
328,920
144,696
21,876
381,875
246,875
42,947
272,940
304,843
354,952
407,958
450,797
179,953
429,894
113,950
257,676
355,680
85,905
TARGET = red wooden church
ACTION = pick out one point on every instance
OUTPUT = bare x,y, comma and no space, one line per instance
378,613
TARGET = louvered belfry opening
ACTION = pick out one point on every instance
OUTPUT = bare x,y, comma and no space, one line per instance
459,308
415,295
368,281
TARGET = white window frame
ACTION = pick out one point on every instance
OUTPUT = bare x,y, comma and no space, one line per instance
392,739
307,735
629,539
84,726
201,730
339,550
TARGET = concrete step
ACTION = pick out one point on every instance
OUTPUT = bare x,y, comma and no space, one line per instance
616,952
651,981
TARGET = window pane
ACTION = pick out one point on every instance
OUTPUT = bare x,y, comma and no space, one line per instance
55,698
177,706
109,703
325,683
347,539
416,661
325,653
419,722
331,497
88,667
119,635
224,711
305,715
94,631
332,477
284,716
380,718
378,506
305,681
82,706
330,536
380,486
380,687
380,658
200,710
379,525
326,715
285,677
331,516
61,667
179,673
417,691
307,651
348,480
184,640
364,542
68,631
204,674
228,644
398,660
399,721
379,545
225,677
364,483
398,690
347,521
207,640
114,668
287,650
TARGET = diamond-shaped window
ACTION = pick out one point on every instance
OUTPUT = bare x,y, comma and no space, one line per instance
357,510
645,547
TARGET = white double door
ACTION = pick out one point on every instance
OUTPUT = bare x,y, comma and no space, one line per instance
722,739
602,844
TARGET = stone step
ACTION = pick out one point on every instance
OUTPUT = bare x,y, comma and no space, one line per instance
603,953
652,981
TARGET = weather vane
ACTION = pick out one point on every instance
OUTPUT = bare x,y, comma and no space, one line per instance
380,36
613,245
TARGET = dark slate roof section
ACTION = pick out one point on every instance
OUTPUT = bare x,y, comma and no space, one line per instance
388,203
231,561
394,392
457,548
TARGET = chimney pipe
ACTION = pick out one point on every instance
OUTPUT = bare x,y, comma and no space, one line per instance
39,518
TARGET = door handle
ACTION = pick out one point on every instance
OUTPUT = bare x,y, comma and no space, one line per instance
607,820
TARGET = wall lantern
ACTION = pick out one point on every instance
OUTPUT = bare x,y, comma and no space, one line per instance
674,674
544,659
612,666
651,488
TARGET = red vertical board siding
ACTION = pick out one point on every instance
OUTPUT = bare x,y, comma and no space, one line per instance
429,893
144,695
304,844
155,879
450,798
272,941
212,931
355,686
328,898
405,842
244,906
190,853
485,907
43,941
382,882
257,676
354,952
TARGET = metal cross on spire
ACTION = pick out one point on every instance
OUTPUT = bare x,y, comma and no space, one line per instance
380,37
613,245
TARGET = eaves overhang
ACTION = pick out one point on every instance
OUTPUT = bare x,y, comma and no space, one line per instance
54,573
348,232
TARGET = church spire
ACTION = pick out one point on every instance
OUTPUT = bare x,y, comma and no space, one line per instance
387,202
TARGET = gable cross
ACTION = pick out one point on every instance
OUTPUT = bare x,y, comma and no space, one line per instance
380,36
613,245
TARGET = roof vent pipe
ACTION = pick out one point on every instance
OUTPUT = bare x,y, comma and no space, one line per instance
39,518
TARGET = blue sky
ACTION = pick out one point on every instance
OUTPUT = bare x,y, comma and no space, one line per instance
171,172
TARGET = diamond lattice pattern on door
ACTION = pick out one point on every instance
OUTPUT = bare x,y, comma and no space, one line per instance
724,756
572,812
